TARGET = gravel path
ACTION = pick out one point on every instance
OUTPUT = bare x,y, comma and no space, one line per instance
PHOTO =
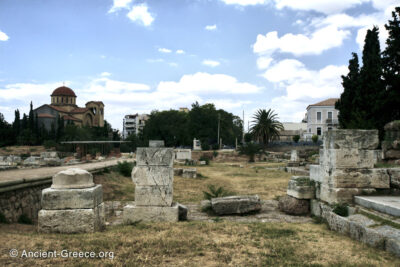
29,173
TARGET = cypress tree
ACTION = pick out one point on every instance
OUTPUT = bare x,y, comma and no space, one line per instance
17,123
391,68
351,86
31,118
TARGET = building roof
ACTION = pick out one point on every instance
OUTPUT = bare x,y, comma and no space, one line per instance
63,91
57,108
96,102
70,118
327,102
79,110
45,115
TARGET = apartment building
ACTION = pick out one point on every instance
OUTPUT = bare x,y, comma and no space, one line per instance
133,124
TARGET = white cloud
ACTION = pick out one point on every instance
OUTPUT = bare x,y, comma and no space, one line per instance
164,50
211,27
140,14
264,62
119,4
152,60
180,51
211,63
105,74
173,64
299,44
3,36
245,2
205,83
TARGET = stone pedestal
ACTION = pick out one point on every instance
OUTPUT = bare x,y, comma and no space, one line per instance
73,204
153,177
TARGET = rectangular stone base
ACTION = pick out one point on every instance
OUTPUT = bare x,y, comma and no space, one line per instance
71,221
341,195
133,213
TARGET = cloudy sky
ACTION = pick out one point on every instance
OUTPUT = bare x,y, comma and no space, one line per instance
137,56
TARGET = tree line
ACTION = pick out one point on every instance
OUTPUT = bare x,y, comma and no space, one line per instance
371,96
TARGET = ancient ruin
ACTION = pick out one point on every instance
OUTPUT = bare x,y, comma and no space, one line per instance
73,204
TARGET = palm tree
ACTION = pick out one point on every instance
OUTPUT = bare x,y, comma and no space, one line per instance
265,126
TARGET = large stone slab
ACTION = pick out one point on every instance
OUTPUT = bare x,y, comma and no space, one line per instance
134,213
235,204
189,173
294,206
392,238
153,195
359,230
58,199
394,174
183,154
351,139
71,221
154,156
72,178
385,204
152,175
342,195
316,173
359,178
337,223
349,158
156,143
301,187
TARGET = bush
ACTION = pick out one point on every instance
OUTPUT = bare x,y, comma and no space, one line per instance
314,138
215,153
49,144
205,145
125,168
296,138
3,218
189,162
250,149
341,210
214,192
23,219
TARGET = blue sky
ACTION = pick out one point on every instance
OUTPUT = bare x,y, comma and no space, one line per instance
137,56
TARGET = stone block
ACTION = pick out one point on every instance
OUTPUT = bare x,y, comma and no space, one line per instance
71,220
359,178
392,154
58,199
183,211
394,174
153,195
156,143
315,208
49,154
134,213
358,230
50,161
342,195
294,157
152,175
349,158
235,204
189,173
294,206
316,173
72,178
183,154
351,139
338,223
301,187
392,238
154,156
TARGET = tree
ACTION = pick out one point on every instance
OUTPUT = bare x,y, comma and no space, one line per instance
391,68
250,150
351,86
265,126
6,132
31,117
17,123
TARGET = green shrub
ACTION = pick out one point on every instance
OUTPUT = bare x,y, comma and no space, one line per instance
206,159
314,138
125,168
214,192
215,153
23,219
3,218
296,138
189,162
205,145
49,144
250,149
341,210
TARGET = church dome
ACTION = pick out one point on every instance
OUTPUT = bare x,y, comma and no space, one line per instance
63,91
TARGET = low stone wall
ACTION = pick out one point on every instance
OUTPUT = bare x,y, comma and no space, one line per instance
22,197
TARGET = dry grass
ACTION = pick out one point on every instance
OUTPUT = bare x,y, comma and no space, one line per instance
18,150
198,244
220,243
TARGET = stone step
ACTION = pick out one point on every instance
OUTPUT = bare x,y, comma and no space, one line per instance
385,204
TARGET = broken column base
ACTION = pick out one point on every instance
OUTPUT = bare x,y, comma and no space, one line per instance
133,213
71,220
342,195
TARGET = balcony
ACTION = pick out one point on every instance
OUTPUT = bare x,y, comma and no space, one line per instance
332,122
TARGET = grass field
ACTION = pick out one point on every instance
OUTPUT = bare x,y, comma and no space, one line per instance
221,243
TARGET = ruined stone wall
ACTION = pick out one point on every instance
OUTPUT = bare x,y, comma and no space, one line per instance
23,198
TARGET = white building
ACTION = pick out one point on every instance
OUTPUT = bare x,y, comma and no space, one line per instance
322,117
291,129
133,124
